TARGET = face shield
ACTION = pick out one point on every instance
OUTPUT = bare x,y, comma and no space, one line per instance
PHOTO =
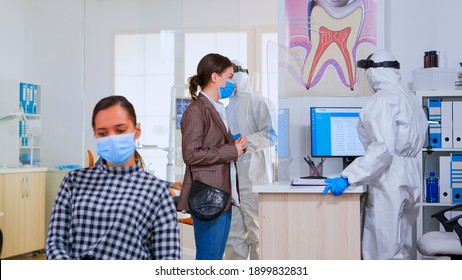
364,69
241,78
368,63
238,68
362,86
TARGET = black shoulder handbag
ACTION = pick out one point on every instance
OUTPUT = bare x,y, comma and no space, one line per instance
206,202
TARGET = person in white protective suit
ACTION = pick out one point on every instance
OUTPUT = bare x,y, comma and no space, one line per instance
248,114
392,127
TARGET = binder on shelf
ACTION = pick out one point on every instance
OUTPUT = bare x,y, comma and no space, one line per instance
26,108
22,94
34,107
457,124
456,177
29,93
434,116
446,124
445,181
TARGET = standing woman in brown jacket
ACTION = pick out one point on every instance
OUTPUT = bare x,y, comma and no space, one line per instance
209,152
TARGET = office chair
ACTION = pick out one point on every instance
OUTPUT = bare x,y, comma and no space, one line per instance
1,241
1,237
443,243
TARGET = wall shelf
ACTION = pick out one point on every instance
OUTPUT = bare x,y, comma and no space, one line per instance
21,125
429,159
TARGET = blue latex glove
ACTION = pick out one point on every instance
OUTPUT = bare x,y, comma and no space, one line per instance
68,167
236,136
336,185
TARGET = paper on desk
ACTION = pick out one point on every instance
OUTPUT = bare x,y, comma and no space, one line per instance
308,182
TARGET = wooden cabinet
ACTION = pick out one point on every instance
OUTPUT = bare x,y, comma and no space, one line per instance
23,205
300,223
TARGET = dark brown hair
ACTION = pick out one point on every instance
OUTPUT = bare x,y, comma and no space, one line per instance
209,64
114,100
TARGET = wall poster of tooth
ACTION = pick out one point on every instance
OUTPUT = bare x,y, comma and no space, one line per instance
323,41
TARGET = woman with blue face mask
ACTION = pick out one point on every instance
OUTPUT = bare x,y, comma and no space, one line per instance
116,209
209,151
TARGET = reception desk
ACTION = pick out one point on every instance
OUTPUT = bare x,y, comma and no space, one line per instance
301,223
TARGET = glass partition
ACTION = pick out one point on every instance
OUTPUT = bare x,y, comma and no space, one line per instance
79,52
146,50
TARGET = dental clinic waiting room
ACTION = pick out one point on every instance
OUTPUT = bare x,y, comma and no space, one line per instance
261,130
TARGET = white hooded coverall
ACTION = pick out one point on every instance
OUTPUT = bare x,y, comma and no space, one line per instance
392,127
248,114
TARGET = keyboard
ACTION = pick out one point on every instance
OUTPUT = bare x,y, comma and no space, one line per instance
308,182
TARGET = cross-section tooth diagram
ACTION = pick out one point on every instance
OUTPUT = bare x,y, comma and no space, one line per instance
338,32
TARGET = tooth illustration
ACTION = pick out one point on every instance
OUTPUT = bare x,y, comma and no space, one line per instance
333,37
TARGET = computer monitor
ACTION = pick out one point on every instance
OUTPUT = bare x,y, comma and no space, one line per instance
181,105
333,132
283,133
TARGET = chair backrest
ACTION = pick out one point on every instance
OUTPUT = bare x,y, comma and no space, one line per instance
1,241
448,243
1,236
453,223
440,216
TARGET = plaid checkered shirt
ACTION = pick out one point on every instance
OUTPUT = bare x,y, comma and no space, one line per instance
113,213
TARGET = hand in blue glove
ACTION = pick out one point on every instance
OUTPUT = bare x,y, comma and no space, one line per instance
336,185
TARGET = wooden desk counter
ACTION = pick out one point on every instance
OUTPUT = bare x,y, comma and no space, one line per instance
301,223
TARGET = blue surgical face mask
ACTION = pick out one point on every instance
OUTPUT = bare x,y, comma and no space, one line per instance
228,90
116,149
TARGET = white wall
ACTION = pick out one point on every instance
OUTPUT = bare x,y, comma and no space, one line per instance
54,60
42,43
415,26
106,18
66,44
12,29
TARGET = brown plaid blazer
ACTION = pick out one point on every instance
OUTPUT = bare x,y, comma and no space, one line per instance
207,149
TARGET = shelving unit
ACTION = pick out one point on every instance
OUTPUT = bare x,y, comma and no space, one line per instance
20,124
429,160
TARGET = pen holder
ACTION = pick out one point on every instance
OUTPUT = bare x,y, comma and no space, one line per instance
318,167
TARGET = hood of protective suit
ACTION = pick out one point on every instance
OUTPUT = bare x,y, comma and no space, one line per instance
242,80
381,78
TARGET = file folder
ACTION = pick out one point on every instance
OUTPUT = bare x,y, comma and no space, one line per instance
22,95
434,116
457,124
456,177
445,179
446,124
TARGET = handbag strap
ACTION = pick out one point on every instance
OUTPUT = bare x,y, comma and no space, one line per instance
190,171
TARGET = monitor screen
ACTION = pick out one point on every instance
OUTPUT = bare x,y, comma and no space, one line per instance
181,105
333,132
283,133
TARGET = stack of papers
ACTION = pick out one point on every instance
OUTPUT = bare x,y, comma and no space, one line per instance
308,182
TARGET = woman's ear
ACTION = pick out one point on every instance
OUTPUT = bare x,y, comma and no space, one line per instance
137,131
214,77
